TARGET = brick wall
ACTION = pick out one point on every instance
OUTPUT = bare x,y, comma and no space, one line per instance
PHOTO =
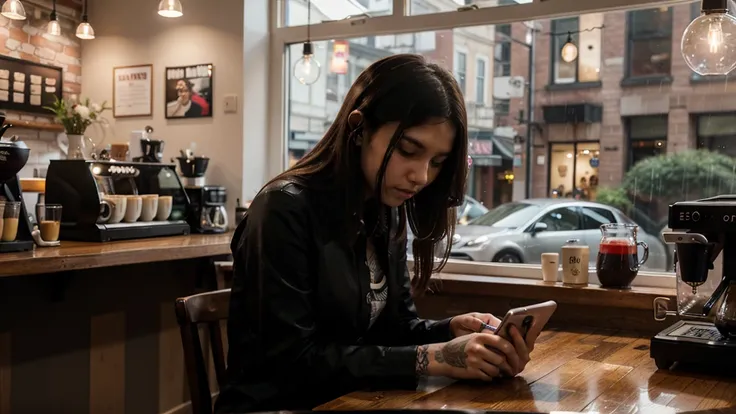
26,40
681,99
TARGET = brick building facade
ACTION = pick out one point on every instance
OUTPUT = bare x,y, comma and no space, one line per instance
677,98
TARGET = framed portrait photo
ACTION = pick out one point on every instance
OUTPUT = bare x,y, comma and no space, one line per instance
189,91
132,91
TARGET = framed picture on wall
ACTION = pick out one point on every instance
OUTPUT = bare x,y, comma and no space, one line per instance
189,91
132,91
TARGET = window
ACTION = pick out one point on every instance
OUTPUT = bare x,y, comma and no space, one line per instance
595,217
639,162
295,12
461,69
417,7
574,170
502,51
650,42
647,137
481,74
587,67
562,219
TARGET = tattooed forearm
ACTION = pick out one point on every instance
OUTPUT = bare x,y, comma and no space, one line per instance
422,360
452,354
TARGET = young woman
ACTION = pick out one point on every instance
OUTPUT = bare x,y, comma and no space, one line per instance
322,300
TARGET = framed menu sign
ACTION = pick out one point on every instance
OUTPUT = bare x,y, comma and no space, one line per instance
28,86
132,91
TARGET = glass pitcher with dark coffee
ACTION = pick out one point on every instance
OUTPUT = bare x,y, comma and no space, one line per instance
618,259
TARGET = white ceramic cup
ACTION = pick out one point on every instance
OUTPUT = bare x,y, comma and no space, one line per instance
118,206
165,203
550,266
149,207
133,210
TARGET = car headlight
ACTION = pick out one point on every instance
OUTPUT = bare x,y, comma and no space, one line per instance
479,240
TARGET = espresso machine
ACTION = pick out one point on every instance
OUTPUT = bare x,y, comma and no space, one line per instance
82,187
705,335
13,157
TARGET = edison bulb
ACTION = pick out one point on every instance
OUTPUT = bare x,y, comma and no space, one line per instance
569,52
307,69
709,44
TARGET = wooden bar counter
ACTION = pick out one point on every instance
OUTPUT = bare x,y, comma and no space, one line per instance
600,371
89,328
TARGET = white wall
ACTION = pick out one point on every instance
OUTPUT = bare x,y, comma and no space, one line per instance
130,32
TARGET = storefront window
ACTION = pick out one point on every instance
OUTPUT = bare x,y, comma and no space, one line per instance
717,133
574,170
647,137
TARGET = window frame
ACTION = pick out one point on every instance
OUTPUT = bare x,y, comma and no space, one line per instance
629,79
455,63
486,76
555,54
630,139
279,38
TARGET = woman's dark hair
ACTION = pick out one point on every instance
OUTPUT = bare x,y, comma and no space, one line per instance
409,90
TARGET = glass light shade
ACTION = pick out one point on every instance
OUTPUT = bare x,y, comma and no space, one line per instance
85,31
709,44
53,28
13,9
307,70
569,52
170,8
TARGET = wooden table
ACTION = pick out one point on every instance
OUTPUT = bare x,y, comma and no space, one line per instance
604,371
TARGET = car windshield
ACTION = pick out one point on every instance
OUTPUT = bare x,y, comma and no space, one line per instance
510,215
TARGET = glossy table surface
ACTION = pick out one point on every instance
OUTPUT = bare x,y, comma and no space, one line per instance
602,371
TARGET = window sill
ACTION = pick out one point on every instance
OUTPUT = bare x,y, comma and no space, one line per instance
711,79
647,81
573,86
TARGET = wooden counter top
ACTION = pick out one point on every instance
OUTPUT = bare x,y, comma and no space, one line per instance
83,255
603,371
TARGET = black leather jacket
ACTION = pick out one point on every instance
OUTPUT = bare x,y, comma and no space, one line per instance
298,327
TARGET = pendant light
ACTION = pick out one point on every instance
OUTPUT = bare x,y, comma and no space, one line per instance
709,42
569,51
170,8
85,30
13,10
53,28
307,69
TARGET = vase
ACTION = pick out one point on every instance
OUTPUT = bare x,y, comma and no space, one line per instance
75,146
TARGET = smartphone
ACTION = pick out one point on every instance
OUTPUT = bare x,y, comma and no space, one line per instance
530,320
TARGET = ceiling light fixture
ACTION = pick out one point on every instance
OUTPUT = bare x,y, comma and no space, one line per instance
307,68
13,10
53,28
709,42
170,8
85,30
569,51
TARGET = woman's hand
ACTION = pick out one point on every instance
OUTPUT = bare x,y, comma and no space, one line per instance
471,323
482,356
522,348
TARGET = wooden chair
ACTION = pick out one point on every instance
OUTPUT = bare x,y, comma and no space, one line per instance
208,309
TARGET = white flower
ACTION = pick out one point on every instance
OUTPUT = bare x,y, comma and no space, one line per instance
82,110
95,107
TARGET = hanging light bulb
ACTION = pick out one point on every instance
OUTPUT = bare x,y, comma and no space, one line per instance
13,10
569,51
53,28
170,8
307,69
709,42
85,30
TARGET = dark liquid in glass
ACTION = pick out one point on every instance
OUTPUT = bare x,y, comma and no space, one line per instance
617,264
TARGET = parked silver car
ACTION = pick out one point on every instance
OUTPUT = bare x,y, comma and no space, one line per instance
520,231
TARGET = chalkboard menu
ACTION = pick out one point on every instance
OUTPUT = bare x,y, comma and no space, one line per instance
28,86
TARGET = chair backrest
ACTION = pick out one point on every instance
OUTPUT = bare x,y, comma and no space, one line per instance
208,309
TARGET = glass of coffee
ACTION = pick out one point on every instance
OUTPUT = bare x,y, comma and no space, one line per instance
618,258
11,217
48,217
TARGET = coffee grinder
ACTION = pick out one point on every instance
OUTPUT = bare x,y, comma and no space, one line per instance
13,157
706,333
208,202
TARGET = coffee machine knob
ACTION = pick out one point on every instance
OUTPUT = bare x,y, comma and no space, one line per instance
695,216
